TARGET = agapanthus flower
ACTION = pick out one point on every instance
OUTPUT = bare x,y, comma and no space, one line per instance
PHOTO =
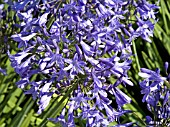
78,45
1,11
3,71
156,94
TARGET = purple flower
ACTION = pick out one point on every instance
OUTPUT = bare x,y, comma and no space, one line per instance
3,71
86,49
156,94
22,39
76,45
1,11
43,103
121,98
75,66
43,19
145,29
152,83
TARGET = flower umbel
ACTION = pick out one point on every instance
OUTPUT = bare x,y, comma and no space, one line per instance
87,42
156,94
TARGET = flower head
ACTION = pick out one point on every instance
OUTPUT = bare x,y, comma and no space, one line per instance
78,45
156,93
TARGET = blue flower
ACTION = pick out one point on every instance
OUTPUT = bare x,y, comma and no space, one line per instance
1,11
3,71
22,39
121,98
79,43
75,66
156,94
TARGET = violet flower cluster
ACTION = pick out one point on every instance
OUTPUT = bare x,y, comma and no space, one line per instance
79,45
1,10
2,38
156,91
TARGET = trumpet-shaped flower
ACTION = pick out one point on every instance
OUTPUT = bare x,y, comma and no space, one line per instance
78,45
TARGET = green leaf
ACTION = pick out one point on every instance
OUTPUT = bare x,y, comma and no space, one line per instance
136,55
148,61
10,92
20,100
164,12
26,122
17,121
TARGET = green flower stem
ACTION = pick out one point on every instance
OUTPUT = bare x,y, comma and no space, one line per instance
136,56
142,121
18,120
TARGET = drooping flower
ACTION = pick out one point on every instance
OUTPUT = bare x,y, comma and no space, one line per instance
156,94
3,71
82,42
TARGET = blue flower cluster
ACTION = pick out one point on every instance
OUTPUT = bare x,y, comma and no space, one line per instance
3,37
156,91
79,45
1,11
